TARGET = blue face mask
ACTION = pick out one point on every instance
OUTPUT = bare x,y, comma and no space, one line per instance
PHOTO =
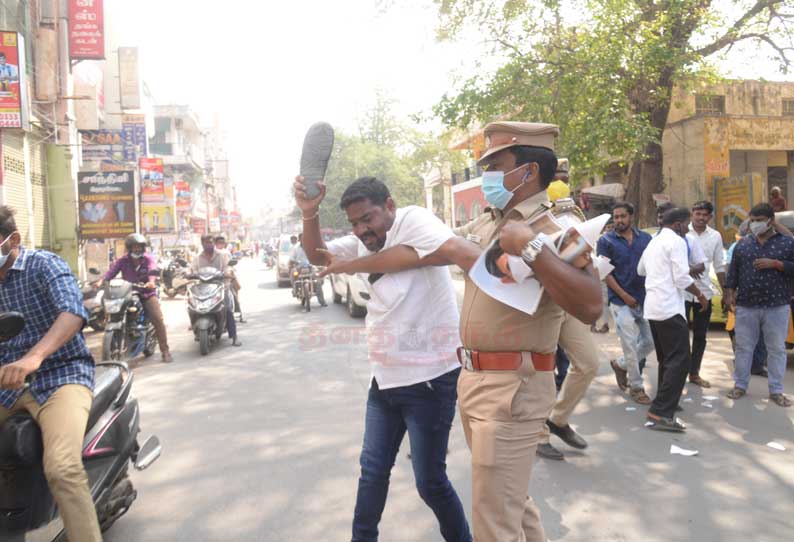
493,188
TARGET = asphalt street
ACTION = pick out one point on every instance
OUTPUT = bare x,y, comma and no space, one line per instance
261,443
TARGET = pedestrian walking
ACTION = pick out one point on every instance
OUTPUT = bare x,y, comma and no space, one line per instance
710,240
624,246
412,326
759,287
666,269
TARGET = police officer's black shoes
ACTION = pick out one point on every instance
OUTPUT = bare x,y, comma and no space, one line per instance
547,451
568,435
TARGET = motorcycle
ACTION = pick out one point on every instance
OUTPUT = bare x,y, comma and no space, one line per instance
305,284
128,332
175,276
206,306
27,509
92,300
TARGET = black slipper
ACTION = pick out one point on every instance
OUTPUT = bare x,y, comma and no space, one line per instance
665,424
317,146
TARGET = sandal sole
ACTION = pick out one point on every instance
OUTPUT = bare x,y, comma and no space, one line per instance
316,152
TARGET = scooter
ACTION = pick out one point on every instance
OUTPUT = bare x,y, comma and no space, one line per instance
175,276
128,332
92,300
206,306
27,509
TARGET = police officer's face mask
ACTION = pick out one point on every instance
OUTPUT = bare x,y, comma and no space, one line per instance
493,186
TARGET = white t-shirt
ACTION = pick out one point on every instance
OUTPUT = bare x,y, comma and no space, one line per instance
711,243
412,316
666,269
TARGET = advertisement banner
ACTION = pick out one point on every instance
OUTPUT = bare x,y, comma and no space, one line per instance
152,182
236,220
129,78
733,198
133,133
86,30
12,80
158,217
102,145
215,225
183,196
199,225
106,203
224,220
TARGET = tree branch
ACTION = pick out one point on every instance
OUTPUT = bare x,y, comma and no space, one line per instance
732,34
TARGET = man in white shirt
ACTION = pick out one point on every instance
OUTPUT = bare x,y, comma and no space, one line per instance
666,268
710,241
412,327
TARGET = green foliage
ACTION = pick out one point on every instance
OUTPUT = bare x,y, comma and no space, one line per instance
603,70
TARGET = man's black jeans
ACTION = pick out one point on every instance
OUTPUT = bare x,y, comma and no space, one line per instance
671,339
700,326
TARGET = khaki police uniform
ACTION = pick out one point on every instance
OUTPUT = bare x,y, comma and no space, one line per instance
504,411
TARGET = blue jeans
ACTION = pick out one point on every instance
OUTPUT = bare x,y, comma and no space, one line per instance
635,337
425,410
750,322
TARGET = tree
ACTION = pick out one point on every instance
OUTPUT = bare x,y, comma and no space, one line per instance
606,79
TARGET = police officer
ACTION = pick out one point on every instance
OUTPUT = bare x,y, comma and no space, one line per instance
506,390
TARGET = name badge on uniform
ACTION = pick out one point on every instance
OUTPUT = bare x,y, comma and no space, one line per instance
473,238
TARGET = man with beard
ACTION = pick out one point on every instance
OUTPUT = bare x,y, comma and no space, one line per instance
624,247
412,327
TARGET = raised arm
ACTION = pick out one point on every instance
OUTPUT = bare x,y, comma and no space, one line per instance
577,291
313,243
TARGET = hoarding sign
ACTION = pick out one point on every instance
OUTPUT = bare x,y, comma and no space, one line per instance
734,197
107,204
102,145
133,133
183,196
129,78
86,30
158,217
12,80
152,182
199,225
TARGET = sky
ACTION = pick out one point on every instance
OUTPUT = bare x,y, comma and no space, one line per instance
272,68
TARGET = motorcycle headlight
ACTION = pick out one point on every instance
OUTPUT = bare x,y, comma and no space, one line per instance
112,306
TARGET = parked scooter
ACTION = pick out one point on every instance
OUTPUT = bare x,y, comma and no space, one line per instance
27,509
92,300
175,276
128,332
206,306
305,284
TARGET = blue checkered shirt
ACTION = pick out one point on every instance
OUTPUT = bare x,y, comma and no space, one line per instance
41,287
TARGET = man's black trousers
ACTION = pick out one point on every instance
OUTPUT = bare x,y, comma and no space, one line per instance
671,339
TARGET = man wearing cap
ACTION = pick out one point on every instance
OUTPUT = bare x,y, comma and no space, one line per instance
506,390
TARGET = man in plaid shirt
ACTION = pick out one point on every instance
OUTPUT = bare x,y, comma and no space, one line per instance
52,351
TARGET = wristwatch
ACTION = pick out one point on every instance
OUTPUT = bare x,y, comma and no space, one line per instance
532,250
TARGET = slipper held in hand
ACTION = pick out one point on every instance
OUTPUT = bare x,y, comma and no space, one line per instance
317,146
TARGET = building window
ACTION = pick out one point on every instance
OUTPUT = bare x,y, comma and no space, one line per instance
461,216
475,210
709,104
788,107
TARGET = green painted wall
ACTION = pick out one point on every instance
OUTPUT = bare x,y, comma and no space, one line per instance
63,204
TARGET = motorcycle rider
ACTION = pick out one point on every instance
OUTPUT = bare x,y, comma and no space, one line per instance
297,258
212,257
51,348
220,245
139,266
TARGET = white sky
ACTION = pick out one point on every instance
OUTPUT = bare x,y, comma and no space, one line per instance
272,68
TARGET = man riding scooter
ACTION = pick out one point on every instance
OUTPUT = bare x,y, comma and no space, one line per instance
297,258
220,245
212,257
52,351
138,266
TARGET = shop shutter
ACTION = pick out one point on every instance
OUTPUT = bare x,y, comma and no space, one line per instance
15,192
39,189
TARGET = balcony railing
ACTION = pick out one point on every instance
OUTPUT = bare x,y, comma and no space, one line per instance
466,174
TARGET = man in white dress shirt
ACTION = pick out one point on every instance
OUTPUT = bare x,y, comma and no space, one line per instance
667,276
412,327
710,241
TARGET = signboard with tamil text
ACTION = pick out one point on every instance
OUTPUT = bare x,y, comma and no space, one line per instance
86,30
106,204
13,84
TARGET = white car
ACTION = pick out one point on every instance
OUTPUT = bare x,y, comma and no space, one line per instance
353,291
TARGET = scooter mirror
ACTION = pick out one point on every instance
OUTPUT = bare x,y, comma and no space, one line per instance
233,262
11,325
94,271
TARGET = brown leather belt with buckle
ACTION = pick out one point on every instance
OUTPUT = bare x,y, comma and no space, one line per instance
474,360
